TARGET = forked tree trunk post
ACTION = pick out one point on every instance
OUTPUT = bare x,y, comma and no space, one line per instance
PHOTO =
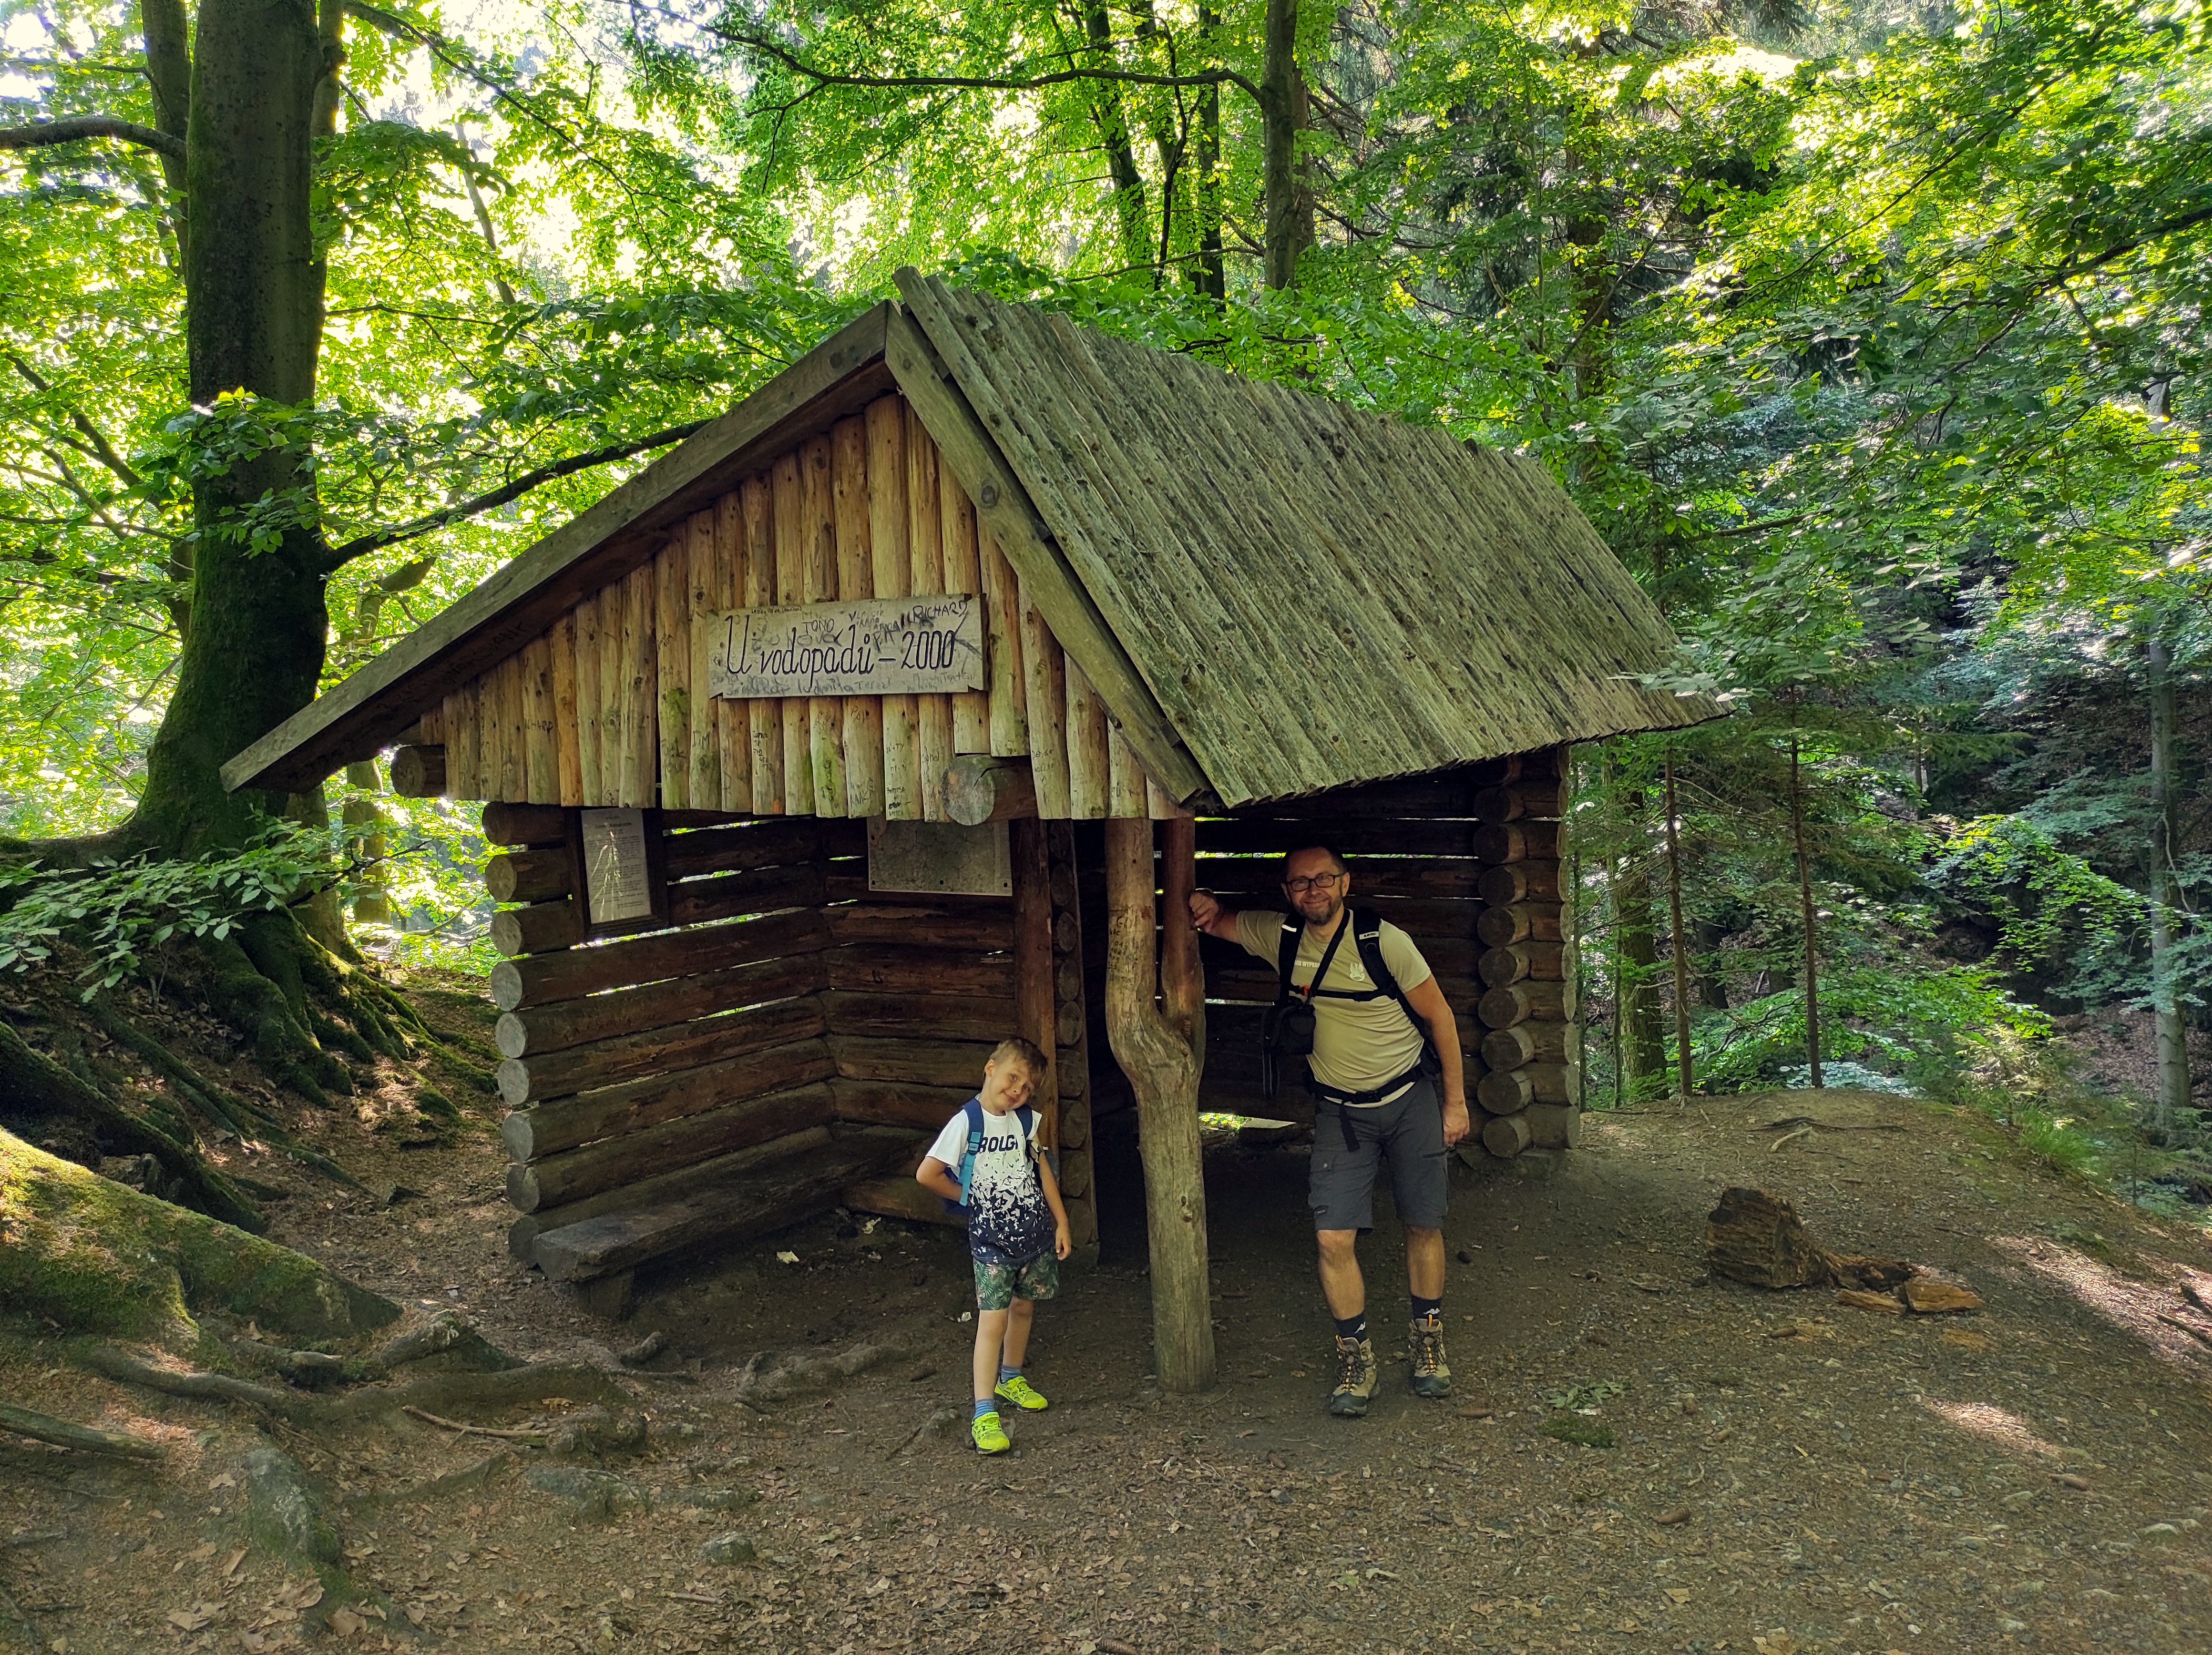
1159,1051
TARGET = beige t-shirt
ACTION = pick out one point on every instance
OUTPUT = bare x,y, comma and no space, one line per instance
1358,1044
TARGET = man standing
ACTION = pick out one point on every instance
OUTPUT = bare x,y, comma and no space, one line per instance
1373,1099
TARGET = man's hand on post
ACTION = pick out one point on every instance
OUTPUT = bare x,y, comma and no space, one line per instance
1205,909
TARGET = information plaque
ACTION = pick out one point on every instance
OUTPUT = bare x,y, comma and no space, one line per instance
618,884
868,646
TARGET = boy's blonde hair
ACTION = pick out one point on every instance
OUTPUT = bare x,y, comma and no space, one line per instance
1025,1052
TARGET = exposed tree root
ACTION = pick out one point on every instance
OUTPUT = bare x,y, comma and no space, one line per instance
92,1256
32,1087
222,1108
111,1363
442,1393
44,1427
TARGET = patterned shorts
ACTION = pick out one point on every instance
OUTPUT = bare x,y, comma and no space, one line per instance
998,1284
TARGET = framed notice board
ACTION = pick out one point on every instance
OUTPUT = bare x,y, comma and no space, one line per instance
621,870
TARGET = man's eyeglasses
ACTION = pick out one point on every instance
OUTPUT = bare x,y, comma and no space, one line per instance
1300,886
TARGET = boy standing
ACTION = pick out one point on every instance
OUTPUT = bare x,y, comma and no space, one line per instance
1017,1229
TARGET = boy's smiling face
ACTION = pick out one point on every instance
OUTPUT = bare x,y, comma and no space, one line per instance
1007,1084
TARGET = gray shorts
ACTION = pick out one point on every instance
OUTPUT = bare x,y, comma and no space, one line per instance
1409,1132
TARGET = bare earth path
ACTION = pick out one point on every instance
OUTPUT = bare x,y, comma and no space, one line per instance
2033,1477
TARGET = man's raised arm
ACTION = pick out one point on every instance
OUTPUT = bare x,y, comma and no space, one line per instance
1210,917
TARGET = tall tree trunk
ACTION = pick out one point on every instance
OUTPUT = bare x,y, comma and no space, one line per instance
1212,278
1642,1052
170,77
2173,1092
254,654
1810,917
1163,1065
1678,942
1289,203
1111,117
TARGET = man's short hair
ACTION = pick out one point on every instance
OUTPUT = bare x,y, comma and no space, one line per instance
1023,1051
1334,856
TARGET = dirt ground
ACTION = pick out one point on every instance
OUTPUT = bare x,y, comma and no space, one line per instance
1787,1474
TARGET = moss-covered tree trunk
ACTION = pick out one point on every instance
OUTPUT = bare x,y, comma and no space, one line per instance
254,653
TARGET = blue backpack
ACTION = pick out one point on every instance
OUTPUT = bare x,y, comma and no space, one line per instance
974,1110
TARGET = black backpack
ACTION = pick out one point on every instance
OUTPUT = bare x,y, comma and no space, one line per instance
1287,1029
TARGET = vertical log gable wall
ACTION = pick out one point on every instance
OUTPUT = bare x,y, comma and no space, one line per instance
610,705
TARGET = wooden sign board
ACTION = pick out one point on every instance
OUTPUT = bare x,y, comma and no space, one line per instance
942,858
868,646
625,888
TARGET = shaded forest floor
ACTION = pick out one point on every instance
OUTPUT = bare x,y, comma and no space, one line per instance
1786,1474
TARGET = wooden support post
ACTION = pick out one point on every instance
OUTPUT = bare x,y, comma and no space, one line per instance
568,749
763,717
1183,979
790,515
826,714
704,789
980,788
971,711
1034,1007
1163,1069
925,575
863,734
1008,698
733,740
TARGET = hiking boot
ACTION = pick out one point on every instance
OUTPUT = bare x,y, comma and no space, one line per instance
1018,1391
989,1438
1424,1348
1356,1376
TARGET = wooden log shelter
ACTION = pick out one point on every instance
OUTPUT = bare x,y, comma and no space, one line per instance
899,710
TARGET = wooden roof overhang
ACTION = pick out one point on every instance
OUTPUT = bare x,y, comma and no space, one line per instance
1450,603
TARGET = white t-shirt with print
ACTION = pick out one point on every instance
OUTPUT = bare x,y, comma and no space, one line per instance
1008,1221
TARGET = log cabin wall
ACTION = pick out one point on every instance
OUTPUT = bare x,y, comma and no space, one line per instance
638,1094
1467,864
610,706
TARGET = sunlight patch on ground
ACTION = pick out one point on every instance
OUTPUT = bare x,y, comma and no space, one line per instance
2152,1311
2000,1425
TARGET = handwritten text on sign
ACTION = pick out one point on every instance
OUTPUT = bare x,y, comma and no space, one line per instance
868,646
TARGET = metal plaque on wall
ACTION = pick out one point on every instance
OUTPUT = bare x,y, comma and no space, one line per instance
617,871
866,646
941,858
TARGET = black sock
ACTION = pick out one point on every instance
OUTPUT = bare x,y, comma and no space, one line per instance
1424,1309
1352,1327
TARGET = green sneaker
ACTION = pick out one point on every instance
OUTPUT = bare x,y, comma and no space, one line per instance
1018,1391
989,1438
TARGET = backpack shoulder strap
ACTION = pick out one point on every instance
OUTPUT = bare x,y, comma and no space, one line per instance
1286,954
974,1110
1367,932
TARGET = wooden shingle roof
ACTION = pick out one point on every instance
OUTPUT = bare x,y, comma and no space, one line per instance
1314,595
